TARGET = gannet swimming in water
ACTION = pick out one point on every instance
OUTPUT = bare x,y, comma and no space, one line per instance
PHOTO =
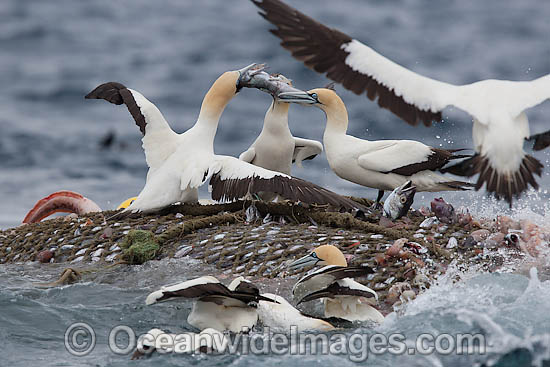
275,148
180,163
497,107
343,297
208,340
382,164
281,316
230,308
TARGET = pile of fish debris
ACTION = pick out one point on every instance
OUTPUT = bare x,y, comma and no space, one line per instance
258,239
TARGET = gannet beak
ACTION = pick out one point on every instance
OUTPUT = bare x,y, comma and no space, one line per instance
298,96
307,260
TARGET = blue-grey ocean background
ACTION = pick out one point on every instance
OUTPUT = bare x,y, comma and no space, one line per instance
54,52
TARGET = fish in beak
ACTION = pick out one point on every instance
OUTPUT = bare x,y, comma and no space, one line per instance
309,260
399,201
298,96
255,76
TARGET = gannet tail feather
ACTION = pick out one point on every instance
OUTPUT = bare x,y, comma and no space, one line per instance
506,186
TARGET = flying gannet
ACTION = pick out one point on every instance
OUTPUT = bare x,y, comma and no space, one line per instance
343,297
219,307
497,107
275,148
180,163
381,164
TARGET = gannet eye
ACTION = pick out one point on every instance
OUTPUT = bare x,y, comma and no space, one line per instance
314,95
403,200
313,254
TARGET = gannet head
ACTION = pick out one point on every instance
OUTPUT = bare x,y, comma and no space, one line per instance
324,98
322,255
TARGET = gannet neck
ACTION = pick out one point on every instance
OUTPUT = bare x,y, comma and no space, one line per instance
218,96
334,108
276,118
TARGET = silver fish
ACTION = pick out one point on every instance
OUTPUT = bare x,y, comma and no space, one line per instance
274,84
399,201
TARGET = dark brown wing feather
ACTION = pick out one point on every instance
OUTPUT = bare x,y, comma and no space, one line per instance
210,291
541,141
333,290
290,188
435,161
502,186
118,94
341,272
319,47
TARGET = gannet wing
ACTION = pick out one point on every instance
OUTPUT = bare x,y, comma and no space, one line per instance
527,94
323,277
206,288
233,179
540,141
248,155
305,149
194,288
343,287
405,157
359,68
159,140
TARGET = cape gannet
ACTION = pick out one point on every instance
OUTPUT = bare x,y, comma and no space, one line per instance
281,316
497,107
382,164
208,340
230,308
275,148
343,297
180,163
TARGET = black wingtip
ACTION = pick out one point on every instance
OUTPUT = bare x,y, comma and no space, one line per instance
109,91
541,141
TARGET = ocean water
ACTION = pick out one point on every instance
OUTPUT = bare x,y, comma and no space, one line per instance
508,311
55,52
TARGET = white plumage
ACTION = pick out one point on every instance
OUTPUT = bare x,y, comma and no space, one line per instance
180,163
275,148
342,296
216,306
383,164
497,107
281,316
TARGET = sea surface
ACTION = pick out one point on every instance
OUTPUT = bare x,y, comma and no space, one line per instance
52,53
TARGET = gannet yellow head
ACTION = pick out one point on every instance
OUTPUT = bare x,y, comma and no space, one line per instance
322,255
